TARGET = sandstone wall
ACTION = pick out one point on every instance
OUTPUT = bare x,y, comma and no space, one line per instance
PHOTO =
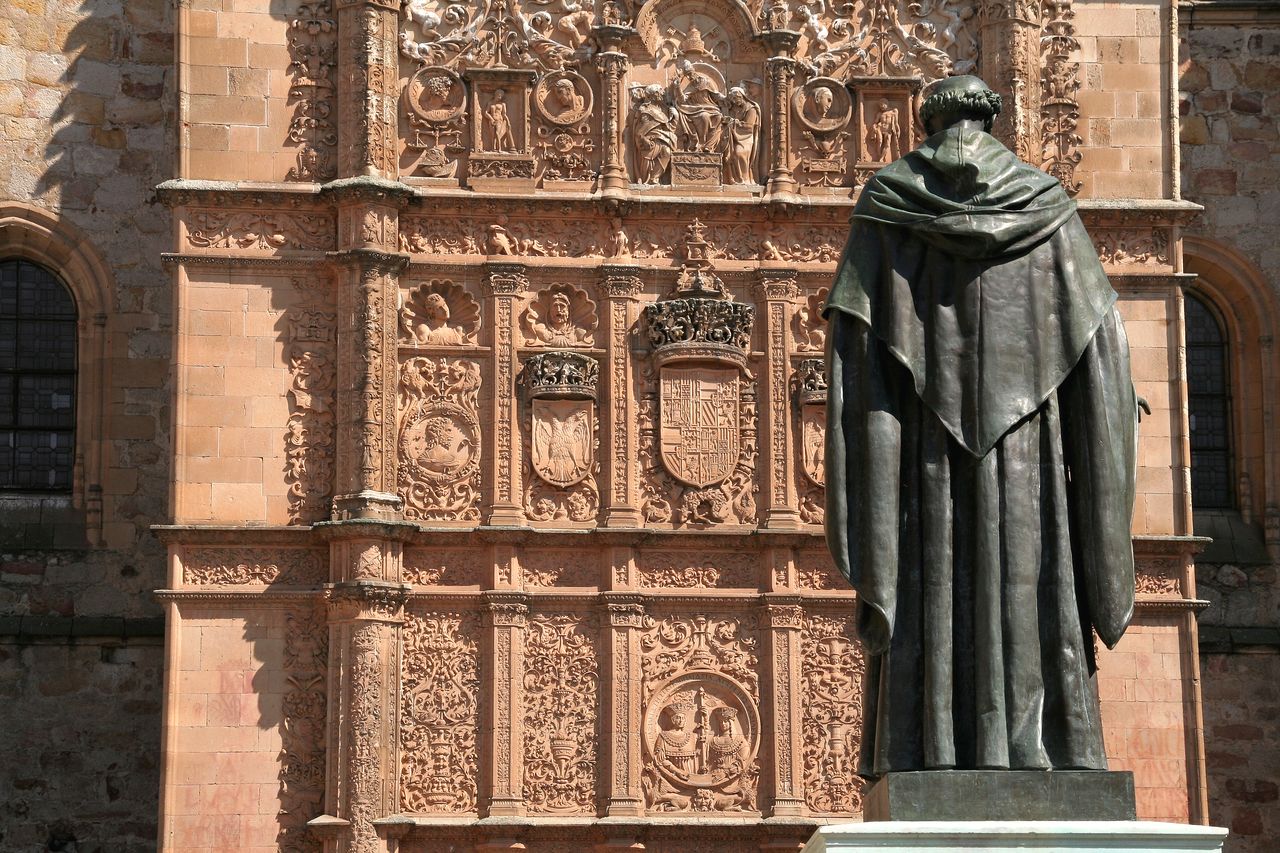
1229,99
86,106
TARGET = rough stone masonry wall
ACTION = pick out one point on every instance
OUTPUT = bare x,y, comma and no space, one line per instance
1230,100
86,132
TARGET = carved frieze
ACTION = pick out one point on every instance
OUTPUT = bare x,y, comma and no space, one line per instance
1159,577
815,571
445,566
679,569
259,230
309,431
1121,247
439,442
561,695
252,566
559,567
439,313
439,722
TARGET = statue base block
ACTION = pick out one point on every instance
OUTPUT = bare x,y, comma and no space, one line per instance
1055,795
1045,836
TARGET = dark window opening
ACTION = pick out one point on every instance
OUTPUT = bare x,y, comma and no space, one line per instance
1209,399
37,379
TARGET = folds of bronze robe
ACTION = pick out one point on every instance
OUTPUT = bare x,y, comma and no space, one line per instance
980,466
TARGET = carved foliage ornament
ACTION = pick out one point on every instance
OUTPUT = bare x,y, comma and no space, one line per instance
232,229
832,669
309,432
1060,93
561,695
439,720
875,38
302,729
313,46
236,567
440,440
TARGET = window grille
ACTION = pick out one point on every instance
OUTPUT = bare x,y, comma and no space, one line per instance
37,379
1209,398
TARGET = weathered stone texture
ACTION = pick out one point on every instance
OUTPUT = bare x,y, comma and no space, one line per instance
81,733
1242,747
86,132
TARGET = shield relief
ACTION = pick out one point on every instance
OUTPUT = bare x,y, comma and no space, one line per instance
562,449
699,427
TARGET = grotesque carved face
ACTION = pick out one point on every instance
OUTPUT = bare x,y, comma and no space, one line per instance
822,100
560,310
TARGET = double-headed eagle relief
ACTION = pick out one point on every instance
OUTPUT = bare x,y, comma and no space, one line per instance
579,95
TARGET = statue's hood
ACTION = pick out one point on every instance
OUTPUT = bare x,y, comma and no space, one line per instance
967,194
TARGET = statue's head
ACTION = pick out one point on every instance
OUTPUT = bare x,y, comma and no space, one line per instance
956,99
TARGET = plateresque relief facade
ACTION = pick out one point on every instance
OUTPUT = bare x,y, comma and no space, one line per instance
499,477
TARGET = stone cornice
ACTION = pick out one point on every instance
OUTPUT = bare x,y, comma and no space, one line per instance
1216,13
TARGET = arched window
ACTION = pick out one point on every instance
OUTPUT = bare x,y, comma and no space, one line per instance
1209,399
37,379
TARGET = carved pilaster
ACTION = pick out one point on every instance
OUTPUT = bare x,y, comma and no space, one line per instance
621,287
504,283
364,624
777,290
368,78
1011,65
366,469
623,723
506,615
613,66
781,72
786,618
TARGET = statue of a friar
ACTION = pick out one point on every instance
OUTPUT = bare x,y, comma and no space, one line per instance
980,457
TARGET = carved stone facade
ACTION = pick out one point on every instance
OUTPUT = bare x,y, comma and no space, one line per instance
523,419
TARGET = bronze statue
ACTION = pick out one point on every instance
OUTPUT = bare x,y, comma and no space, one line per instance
980,458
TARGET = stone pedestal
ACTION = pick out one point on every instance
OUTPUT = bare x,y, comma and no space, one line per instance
1029,795
1130,836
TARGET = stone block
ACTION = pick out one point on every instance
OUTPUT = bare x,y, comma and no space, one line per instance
963,795
1044,836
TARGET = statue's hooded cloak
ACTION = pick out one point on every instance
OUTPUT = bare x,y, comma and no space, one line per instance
980,461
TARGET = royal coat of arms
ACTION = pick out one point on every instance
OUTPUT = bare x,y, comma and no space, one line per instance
563,443
699,426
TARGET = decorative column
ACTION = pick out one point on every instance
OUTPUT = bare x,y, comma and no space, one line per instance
1011,65
781,70
368,74
505,618
623,724
613,65
621,287
786,618
364,625
505,283
368,269
777,290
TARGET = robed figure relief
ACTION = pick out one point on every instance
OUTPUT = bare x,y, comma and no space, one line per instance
980,458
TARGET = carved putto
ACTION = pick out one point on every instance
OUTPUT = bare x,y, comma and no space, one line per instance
560,316
439,313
